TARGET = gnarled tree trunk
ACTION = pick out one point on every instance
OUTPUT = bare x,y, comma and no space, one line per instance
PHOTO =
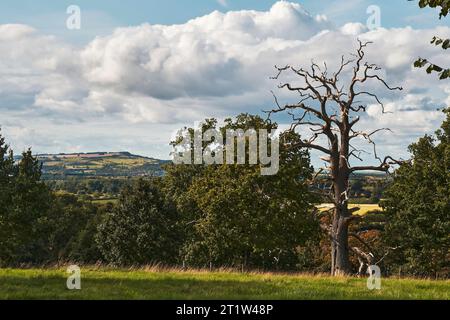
341,214
333,114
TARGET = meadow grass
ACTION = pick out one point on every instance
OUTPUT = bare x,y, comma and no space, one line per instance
105,201
152,284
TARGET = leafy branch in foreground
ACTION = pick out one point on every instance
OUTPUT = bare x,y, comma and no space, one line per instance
444,6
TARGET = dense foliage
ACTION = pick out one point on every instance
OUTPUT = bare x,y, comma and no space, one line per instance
221,215
141,229
418,207
234,216
98,186
228,215
37,226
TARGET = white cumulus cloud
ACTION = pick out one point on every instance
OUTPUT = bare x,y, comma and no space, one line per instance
215,65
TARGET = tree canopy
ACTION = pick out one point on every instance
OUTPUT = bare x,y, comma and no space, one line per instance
235,216
418,206
36,225
141,229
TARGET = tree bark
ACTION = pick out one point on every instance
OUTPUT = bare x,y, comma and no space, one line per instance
340,248
341,216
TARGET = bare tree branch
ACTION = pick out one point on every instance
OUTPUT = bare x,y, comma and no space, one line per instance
331,110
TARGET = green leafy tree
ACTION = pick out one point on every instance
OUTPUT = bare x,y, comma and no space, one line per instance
7,173
27,201
176,183
36,225
141,229
241,218
66,231
418,207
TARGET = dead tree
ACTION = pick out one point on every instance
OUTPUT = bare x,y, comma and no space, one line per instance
330,109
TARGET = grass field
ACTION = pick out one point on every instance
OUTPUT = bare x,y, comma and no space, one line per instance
153,284
105,201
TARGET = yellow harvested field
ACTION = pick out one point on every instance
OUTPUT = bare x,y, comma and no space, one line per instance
363,208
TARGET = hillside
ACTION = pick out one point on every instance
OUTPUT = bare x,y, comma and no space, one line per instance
98,164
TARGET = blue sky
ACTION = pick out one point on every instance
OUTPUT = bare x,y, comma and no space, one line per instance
102,16
124,83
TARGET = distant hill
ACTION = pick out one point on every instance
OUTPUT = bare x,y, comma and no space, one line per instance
98,164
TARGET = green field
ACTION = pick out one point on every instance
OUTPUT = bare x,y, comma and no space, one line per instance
154,284
100,164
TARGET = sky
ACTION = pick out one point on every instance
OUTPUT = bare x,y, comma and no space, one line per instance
101,17
136,71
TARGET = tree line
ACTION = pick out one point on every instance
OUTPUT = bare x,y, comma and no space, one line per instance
228,215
